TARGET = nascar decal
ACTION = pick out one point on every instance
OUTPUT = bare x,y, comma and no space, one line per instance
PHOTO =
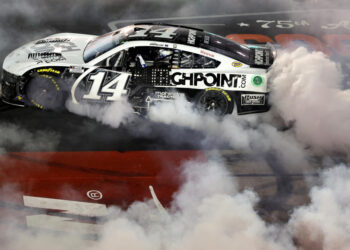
252,99
258,80
237,64
49,45
100,86
77,82
113,89
166,33
46,57
49,70
164,95
262,57
192,37
206,53
53,40
231,81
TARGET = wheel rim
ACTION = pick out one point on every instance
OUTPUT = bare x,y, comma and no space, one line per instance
214,102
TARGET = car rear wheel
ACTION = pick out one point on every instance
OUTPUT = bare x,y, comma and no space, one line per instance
45,92
214,100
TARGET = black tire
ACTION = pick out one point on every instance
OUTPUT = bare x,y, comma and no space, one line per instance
215,100
45,92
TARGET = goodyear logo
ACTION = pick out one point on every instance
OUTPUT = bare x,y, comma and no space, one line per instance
220,90
37,104
237,64
49,70
53,81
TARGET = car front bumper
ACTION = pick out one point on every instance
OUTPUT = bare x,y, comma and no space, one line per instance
10,89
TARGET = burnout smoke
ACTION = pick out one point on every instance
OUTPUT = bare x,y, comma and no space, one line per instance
306,90
207,212
114,114
248,134
19,139
324,224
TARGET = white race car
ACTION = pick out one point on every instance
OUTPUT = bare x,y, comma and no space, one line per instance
147,63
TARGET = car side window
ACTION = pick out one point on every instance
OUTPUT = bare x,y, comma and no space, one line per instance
114,62
190,60
147,57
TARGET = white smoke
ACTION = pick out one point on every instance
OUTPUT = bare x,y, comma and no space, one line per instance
324,223
306,90
246,133
15,137
115,114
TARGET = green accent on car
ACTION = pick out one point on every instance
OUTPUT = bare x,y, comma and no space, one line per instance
258,80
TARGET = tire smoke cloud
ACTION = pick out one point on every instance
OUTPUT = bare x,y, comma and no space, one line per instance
307,91
115,114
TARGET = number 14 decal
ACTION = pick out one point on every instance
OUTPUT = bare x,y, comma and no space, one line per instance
115,87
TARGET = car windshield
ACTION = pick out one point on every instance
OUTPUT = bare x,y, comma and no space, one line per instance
104,43
227,47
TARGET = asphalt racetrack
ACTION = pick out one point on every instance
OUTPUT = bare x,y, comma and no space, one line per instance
279,188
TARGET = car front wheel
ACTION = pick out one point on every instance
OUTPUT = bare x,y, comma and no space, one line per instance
45,92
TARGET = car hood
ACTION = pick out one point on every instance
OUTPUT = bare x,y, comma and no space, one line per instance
57,50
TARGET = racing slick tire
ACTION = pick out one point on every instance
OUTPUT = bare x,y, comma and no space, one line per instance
215,100
44,91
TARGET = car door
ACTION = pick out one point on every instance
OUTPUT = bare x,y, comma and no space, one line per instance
194,71
149,67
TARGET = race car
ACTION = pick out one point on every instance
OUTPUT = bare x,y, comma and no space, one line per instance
146,63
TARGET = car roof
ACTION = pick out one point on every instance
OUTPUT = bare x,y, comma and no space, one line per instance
181,37
188,36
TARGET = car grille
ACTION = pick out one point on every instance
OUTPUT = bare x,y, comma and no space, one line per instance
9,85
10,78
